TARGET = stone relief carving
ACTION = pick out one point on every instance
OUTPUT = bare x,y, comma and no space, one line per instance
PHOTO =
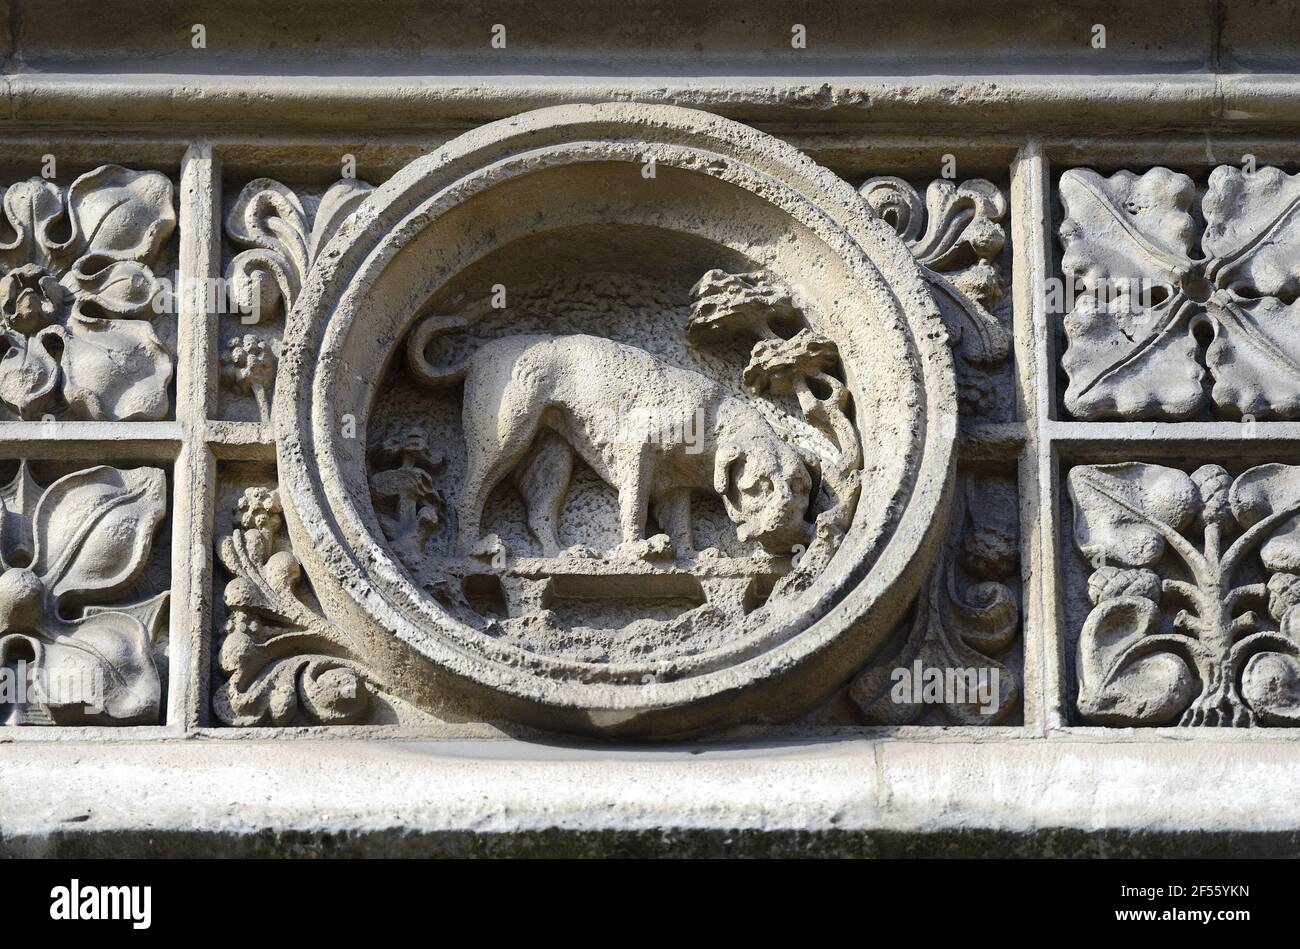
964,622
286,663
1151,303
77,295
619,467
67,552
664,440
956,235
281,239
1194,585
402,488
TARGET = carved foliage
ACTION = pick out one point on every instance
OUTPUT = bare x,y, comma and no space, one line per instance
77,292
1130,243
966,617
1162,541
281,240
401,485
956,235
788,357
80,542
286,664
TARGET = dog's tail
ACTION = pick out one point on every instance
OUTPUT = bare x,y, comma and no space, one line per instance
418,342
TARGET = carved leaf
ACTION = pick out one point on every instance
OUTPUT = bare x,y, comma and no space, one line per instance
954,629
30,208
29,373
269,218
981,336
1263,492
961,231
1255,356
1127,675
342,198
1124,362
94,529
775,364
293,690
18,501
111,647
1252,228
961,224
1127,512
115,370
119,288
152,613
1126,226
897,204
728,305
1125,359
119,213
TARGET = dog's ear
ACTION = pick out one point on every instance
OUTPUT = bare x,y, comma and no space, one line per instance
721,465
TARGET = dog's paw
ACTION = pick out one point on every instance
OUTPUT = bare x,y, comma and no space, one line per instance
658,547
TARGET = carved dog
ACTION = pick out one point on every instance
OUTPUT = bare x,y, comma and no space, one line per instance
653,432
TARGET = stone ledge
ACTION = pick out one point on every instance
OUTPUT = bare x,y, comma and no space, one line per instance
865,797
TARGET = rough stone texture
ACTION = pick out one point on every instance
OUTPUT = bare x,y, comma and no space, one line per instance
894,449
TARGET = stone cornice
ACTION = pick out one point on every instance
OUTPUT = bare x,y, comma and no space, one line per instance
1027,64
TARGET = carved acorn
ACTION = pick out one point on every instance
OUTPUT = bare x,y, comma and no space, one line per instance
1212,484
1283,594
1109,583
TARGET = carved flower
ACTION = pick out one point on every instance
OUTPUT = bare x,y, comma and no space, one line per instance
73,312
86,538
258,508
1149,304
248,367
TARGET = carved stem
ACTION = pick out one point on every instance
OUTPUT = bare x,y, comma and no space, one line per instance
263,402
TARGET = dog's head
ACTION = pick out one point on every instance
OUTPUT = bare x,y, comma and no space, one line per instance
764,485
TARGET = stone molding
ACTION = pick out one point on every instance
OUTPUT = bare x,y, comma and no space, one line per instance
852,797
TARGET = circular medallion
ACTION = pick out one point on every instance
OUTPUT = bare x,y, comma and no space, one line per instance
616,418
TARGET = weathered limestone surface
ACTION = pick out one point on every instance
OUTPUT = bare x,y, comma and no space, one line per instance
425,432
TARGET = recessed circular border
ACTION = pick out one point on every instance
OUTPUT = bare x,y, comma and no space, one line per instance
358,580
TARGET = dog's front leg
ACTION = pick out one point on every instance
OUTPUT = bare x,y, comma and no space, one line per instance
634,499
673,512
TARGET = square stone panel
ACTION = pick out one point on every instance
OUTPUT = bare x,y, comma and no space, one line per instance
85,592
88,296
1179,585
1178,293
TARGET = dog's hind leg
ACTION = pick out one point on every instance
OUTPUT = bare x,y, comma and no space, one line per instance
543,482
487,462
